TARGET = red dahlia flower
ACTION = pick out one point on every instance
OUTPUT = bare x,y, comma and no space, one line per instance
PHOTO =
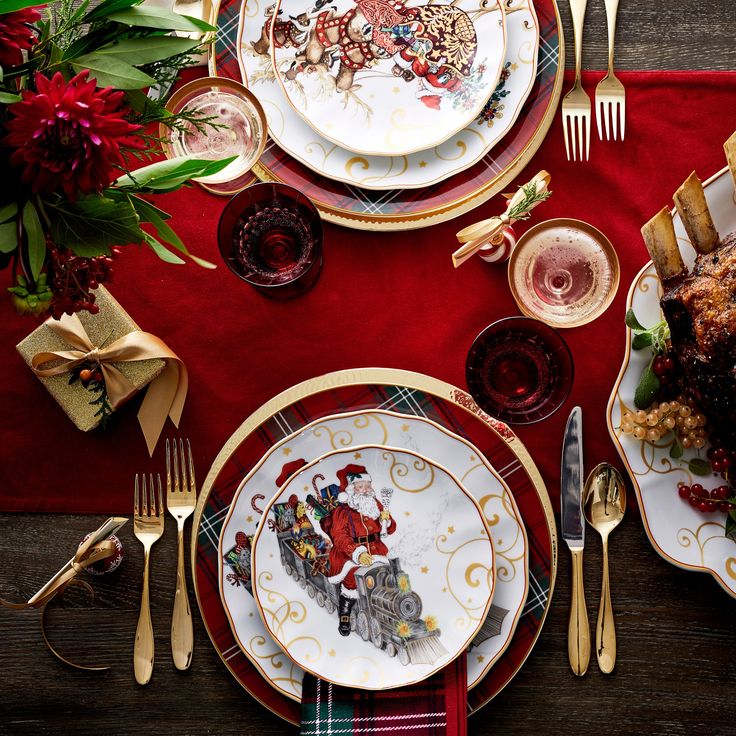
69,135
16,35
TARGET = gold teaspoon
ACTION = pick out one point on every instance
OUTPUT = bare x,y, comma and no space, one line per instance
604,503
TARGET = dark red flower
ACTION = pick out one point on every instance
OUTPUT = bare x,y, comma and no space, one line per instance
69,135
16,35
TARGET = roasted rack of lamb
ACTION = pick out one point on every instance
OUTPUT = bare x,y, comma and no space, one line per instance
700,305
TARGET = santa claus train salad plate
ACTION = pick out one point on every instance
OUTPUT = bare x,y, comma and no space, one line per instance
419,169
681,534
406,392
389,77
408,569
385,428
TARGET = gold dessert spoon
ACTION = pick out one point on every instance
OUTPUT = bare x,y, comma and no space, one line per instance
604,502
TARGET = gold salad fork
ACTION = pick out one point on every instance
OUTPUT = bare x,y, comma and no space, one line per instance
148,526
576,104
181,498
610,95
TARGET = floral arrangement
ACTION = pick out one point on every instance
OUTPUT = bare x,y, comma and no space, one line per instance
80,90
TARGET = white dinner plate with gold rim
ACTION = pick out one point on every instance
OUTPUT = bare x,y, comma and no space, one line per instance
388,77
414,560
419,169
388,428
684,536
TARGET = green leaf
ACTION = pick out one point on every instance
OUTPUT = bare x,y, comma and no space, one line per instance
10,6
140,51
7,211
647,389
161,251
154,17
731,524
92,225
641,340
109,6
633,322
36,239
157,218
698,466
8,237
6,98
170,174
112,72
676,449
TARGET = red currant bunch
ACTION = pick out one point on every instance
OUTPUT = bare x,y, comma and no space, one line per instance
721,460
667,369
707,501
74,277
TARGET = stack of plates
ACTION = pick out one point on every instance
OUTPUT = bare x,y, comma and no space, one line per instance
390,114
467,553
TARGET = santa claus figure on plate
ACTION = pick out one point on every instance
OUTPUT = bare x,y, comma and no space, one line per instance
355,527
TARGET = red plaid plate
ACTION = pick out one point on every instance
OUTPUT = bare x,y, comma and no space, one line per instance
372,388
401,209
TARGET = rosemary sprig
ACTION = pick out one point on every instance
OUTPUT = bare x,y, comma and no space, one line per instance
532,197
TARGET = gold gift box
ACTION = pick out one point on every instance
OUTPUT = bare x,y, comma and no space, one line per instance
110,324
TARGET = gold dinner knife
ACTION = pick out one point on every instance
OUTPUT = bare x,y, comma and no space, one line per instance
573,532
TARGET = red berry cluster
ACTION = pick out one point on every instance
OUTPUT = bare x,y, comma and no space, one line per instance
721,460
700,498
72,278
667,369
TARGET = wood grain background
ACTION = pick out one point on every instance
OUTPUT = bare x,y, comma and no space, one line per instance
676,630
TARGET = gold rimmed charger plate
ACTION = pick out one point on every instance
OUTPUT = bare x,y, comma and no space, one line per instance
408,382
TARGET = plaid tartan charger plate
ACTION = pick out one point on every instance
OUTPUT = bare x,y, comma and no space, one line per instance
403,392
400,209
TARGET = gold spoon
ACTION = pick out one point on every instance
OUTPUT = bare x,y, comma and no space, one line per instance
604,501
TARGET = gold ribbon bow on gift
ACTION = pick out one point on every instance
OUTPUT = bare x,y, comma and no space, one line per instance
98,546
165,395
518,207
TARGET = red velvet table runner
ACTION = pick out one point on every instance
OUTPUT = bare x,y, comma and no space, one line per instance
384,299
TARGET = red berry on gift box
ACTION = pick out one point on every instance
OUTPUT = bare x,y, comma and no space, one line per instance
109,564
85,374
97,376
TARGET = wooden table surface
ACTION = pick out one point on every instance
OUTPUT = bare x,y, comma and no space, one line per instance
676,630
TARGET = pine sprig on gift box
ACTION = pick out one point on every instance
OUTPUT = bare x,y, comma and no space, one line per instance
91,377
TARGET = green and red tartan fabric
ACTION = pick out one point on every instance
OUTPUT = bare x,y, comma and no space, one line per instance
438,706
393,398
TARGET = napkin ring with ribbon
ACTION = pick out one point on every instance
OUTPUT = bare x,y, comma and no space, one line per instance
494,239
97,547
165,395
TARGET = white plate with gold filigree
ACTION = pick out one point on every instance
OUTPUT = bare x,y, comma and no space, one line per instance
388,77
419,169
386,428
681,534
337,533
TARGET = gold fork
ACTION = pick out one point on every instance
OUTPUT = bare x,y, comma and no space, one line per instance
576,104
610,95
181,499
148,526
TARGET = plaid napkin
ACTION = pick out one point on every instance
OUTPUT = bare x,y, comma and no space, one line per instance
438,706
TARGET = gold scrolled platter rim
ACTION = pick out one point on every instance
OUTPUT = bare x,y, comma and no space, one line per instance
378,376
448,210
407,417
643,272
488,540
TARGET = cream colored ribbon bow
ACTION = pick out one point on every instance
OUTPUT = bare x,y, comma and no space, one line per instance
166,394
474,237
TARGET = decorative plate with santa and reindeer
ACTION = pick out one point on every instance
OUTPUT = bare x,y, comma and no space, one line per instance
372,567
419,169
340,431
388,77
